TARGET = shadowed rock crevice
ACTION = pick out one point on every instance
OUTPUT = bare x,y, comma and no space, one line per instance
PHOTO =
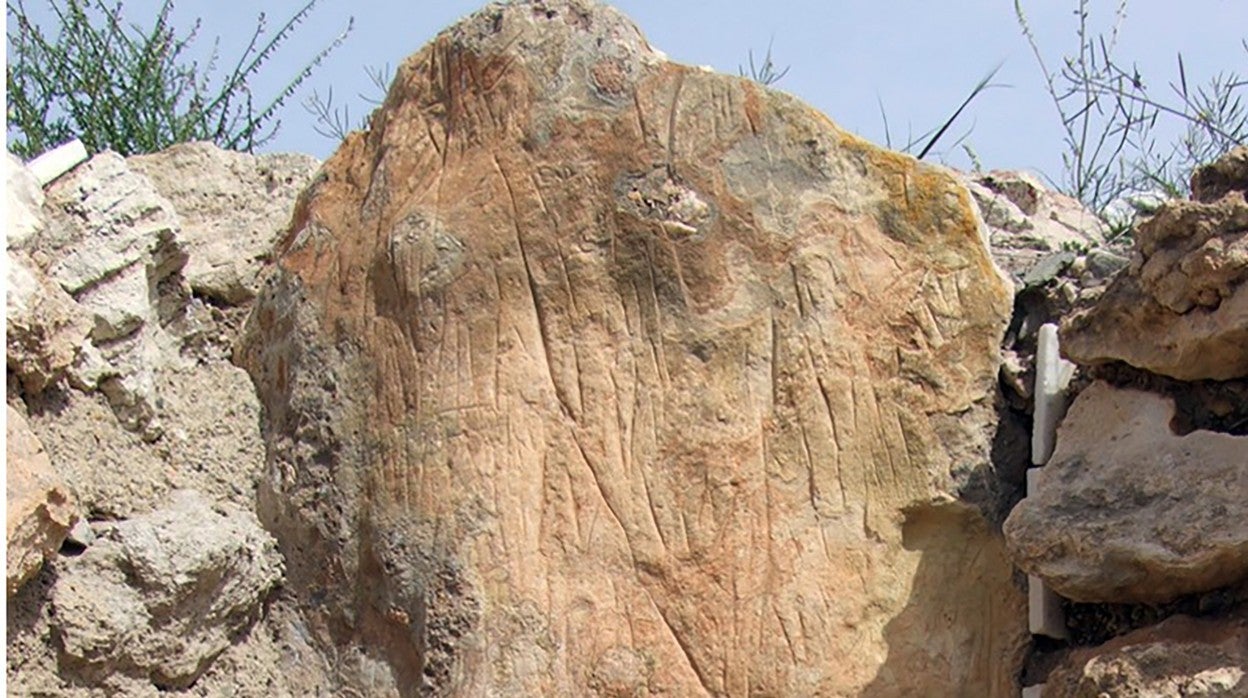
963,586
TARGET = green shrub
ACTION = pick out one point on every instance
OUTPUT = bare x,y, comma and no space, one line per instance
117,86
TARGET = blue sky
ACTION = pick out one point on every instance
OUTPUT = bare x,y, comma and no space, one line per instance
918,58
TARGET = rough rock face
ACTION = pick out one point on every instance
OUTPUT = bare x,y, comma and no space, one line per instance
193,610
1181,310
1128,511
586,373
23,199
1029,224
1179,657
39,509
162,370
228,204
160,595
111,243
1217,179
44,326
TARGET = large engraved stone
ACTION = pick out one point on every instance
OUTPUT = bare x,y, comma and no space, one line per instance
588,373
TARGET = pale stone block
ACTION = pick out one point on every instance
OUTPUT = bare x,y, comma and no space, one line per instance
23,201
1033,691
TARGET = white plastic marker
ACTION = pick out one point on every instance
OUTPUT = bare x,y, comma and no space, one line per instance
56,162
1053,374
1044,608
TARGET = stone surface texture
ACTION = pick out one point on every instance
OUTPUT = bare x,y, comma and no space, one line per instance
1029,223
232,207
1181,308
111,243
39,509
1129,512
160,595
587,373
1178,658
128,415
23,199
44,327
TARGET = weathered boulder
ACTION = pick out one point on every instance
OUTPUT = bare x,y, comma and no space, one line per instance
160,595
1181,308
1225,175
39,509
1179,657
233,207
172,372
112,238
210,442
1128,511
587,373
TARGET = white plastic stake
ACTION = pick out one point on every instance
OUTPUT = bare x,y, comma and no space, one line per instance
1053,374
1044,608
56,162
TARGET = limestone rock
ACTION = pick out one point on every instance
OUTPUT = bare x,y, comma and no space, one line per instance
1127,511
233,207
1028,222
1179,657
39,508
109,222
211,441
45,327
584,371
23,200
1181,308
112,242
1227,174
160,595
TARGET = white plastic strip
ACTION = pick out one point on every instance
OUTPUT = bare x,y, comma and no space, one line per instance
48,167
1044,608
1053,374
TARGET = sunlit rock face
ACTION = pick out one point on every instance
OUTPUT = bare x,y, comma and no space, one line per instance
1181,308
589,373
